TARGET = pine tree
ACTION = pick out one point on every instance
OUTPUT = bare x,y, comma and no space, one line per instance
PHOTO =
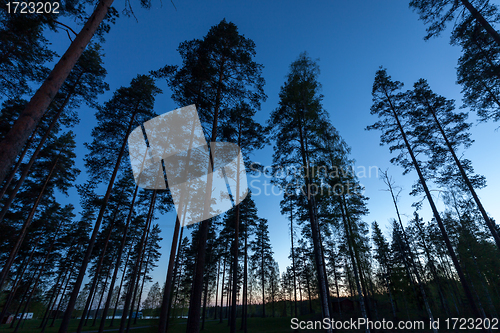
298,125
390,105
217,75
128,108
261,261
444,131
477,69
438,13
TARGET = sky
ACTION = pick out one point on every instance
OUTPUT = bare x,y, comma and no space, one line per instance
351,39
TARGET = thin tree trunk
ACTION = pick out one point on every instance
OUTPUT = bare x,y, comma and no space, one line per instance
174,277
102,294
133,278
244,317
18,164
78,283
142,289
118,263
17,136
61,299
24,229
98,270
222,290
22,269
205,304
293,261
41,269
353,259
412,258
459,270
232,325
217,289
464,175
68,272
120,288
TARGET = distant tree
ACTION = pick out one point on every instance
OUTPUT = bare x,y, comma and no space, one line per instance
152,302
261,261
382,255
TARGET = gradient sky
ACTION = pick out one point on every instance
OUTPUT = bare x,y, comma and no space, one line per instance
351,39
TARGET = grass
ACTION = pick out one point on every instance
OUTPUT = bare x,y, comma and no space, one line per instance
264,325
31,326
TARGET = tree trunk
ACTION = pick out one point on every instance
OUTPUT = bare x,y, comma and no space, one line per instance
353,260
133,278
318,254
412,257
24,229
16,138
222,290
40,269
465,177
453,256
97,272
293,261
118,263
168,283
120,288
174,277
33,157
479,18
62,298
102,294
78,283
18,164
244,325
217,290
68,272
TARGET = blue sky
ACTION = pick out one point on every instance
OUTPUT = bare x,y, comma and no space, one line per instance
351,39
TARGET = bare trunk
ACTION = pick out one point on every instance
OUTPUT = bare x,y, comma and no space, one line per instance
174,277
120,288
97,272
